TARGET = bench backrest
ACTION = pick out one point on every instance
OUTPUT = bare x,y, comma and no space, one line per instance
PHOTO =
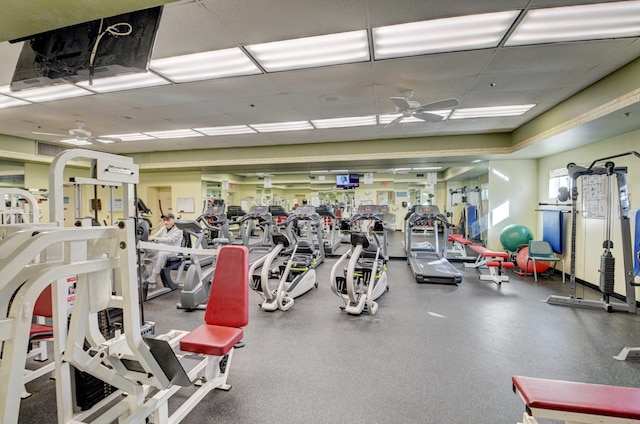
228,303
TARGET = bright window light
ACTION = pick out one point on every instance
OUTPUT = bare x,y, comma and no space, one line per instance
500,213
124,82
226,130
76,142
309,52
490,112
282,126
500,175
574,23
47,94
131,136
185,133
356,121
442,35
207,65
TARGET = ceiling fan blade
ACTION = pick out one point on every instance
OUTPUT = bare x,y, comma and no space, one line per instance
439,105
51,134
401,103
428,117
394,122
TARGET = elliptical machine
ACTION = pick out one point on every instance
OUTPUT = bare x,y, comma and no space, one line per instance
364,278
290,285
197,282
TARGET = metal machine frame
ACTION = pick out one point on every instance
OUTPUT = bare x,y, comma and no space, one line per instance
607,265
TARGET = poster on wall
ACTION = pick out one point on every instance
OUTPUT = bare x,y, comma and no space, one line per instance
594,196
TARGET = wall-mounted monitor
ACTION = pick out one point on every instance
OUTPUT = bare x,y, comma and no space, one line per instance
347,181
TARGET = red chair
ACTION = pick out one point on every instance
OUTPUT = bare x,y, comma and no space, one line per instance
226,314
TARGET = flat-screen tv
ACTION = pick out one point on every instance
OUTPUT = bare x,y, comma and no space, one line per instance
64,55
347,181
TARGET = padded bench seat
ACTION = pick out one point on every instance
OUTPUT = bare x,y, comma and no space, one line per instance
214,340
578,402
481,250
459,238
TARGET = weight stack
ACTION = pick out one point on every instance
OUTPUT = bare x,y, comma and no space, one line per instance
607,273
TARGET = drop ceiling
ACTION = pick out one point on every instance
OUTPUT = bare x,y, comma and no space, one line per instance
544,75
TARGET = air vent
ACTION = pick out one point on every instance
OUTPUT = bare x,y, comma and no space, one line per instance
46,149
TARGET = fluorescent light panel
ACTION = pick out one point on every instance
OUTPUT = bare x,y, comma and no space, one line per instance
132,137
124,82
282,126
207,65
356,121
577,23
309,52
226,130
183,133
427,168
47,94
442,35
7,102
76,142
490,112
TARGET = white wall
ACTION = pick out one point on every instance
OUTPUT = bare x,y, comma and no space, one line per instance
513,190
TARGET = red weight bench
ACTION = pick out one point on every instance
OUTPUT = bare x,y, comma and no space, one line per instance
457,251
226,314
495,261
577,402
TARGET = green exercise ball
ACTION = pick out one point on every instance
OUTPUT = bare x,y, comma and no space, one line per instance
515,235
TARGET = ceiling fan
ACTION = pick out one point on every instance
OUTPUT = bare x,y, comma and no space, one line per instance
410,108
81,134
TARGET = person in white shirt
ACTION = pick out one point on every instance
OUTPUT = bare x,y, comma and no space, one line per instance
170,235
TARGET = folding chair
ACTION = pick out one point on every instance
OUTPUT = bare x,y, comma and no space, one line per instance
540,250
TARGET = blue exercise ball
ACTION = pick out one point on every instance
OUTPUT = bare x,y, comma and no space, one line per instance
515,235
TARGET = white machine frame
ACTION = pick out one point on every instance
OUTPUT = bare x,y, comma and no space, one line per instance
103,258
15,212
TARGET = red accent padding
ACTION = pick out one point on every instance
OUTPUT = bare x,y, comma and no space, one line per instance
227,308
488,253
508,265
583,398
459,238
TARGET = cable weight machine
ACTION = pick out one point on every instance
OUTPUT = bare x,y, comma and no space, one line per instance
607,261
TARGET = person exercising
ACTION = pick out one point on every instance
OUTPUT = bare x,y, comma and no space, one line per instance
170,235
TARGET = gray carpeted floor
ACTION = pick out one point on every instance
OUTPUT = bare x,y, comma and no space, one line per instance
432,354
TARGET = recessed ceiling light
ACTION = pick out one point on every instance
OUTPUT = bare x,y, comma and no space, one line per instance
226,130
356,121
490,112
577,23
132,137
282,126
124,82
47,94
183,133
442,35
309,52
7,102
207,65
76,142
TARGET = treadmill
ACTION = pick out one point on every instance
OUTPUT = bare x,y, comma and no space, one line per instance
428,262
